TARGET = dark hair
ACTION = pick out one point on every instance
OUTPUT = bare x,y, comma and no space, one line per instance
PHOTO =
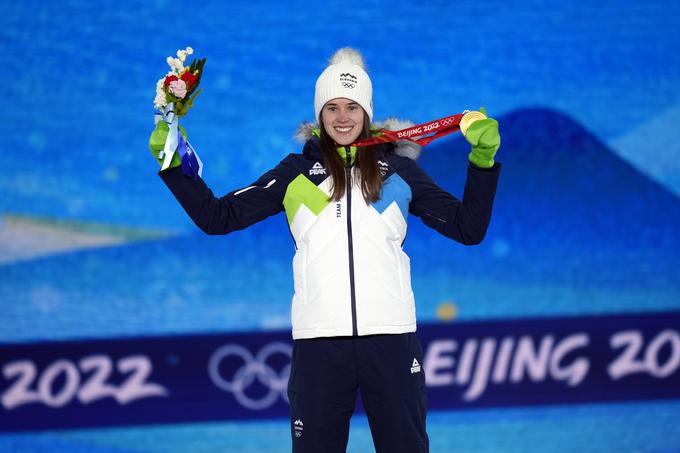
365,165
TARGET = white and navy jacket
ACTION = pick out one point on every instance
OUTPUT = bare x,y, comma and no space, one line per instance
351,275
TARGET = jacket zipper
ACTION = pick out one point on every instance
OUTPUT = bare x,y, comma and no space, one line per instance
348,181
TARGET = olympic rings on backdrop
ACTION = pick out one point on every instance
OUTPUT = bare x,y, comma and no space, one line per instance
253,368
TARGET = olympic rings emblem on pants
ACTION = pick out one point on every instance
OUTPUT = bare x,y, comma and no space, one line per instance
254,367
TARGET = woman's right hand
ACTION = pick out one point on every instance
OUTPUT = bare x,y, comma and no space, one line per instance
157,143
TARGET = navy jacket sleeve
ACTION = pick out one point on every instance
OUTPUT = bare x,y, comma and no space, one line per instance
465,221
237,209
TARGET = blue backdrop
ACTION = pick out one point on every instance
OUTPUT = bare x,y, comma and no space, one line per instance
584,225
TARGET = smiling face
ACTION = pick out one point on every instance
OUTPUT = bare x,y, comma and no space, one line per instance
343,120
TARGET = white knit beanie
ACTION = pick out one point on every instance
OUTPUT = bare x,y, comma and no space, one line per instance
345,77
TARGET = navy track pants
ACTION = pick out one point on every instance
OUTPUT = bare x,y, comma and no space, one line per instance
325,376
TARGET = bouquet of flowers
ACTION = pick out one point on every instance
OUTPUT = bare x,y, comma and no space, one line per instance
178,88
175,94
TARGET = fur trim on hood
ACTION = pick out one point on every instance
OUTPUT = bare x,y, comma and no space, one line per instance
405,148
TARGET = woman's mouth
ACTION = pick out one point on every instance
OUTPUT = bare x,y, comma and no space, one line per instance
343,129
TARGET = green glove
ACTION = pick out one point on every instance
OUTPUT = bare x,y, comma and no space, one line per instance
485,140
157,143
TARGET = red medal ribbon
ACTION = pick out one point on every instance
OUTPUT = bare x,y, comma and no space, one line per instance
419,133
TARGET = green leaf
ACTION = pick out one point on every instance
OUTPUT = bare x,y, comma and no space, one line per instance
196,94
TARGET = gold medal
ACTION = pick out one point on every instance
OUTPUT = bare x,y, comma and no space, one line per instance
469,117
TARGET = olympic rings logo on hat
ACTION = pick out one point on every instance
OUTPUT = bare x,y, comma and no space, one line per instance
348,80
254,367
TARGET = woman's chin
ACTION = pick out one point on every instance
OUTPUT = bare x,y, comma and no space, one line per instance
345,140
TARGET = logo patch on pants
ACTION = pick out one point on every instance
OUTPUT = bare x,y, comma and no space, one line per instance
298,427
415,366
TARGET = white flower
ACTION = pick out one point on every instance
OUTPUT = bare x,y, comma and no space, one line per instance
179,66
189,50
161,99
170,62
182,55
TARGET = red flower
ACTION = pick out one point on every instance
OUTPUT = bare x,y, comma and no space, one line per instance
169,79
189,79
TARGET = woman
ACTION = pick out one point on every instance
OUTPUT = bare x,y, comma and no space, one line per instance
353,311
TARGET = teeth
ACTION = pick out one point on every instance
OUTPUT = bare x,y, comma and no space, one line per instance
343,129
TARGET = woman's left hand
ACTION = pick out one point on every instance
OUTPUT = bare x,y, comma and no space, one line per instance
484,137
